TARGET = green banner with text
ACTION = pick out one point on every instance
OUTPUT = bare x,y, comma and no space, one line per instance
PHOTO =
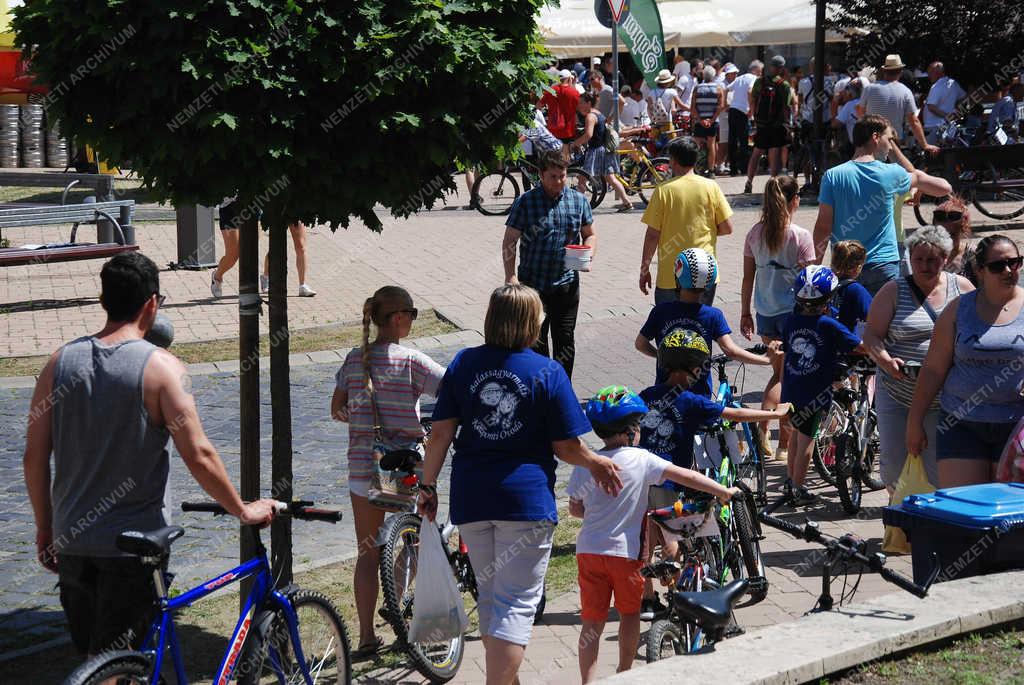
640,28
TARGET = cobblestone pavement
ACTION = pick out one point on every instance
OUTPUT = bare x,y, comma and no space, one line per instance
449,260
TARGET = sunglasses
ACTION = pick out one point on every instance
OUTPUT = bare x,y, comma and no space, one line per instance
940,216
999,265
160,299
413,313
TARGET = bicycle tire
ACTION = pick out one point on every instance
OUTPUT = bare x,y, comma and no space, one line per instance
751,549
593,192
268,654
400,534
491,193
649,180
848,472
870,463
134,666
755,470
1012,199
825,459
661,632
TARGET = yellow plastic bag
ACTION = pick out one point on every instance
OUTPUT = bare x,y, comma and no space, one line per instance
913,481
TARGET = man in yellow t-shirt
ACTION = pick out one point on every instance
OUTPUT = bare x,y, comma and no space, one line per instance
687,211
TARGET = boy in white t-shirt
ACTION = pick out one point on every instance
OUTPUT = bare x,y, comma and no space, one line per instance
608,546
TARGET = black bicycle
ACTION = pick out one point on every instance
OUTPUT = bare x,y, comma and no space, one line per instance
846,446
495,192
845,554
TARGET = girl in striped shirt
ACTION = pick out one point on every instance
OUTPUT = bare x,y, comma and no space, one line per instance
397,376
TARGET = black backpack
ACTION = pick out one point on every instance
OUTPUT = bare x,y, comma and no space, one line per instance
772,101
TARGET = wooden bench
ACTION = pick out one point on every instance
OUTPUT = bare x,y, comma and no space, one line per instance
117,214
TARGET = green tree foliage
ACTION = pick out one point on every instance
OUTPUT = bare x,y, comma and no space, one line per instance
980,43
311,108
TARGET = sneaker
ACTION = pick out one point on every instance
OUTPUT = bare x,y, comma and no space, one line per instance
787,488
651,608
264,283
782,456
216,287
306,291
748,188
766,446
802,496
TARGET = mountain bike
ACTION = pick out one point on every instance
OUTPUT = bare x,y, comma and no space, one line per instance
495,191
846,445
640,173
284,635
842,553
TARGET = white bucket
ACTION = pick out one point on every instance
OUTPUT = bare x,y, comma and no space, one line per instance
577,257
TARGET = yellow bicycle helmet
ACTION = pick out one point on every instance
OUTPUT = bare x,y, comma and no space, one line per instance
683,349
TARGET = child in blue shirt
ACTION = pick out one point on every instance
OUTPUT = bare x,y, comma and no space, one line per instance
675,414
696,270
813,341
850,301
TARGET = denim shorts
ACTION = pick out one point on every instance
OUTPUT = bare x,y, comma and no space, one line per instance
960,439
874,276
771,326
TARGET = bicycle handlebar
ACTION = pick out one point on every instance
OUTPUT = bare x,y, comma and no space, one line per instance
846,547
723,359
297,509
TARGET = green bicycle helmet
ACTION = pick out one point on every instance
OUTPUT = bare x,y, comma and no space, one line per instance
613,409
683,349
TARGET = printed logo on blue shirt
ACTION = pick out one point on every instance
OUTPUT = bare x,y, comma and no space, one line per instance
499,394
804,344
659,427
684,322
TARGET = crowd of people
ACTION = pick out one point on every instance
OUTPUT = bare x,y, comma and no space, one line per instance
941,318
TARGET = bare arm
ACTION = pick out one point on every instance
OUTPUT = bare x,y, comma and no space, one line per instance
588,131
822,231
651,239
589,239
576,509
746,294
509,246
930,185
441,435
860,110
36,463
644,346
339,405
745,414
721,104
724,228
734,351
930,379
883,308
698,481
915,127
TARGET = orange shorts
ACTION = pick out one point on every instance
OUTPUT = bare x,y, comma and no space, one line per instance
602,575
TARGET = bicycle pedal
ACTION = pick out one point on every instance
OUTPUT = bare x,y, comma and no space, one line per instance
757,584
733,631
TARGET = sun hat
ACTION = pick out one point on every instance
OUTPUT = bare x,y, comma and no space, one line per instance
731,69
664,78
893,62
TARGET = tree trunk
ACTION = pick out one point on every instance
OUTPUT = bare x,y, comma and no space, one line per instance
280,402
249,380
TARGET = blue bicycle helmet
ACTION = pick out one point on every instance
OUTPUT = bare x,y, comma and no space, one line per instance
696,269
814,284
613,409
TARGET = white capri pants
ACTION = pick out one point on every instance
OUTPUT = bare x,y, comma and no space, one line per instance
510,559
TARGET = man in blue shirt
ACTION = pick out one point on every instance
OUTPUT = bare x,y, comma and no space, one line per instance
542,222
857,200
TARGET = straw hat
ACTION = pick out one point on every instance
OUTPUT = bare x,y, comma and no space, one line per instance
893,62
665,78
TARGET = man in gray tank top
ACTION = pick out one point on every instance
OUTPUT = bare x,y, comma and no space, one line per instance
105,406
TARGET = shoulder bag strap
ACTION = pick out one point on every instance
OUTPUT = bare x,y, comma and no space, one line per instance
920,296
378,426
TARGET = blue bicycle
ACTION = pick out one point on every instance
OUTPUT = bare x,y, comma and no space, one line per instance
282,636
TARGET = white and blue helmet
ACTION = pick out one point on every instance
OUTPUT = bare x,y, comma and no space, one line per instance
696,269
815,283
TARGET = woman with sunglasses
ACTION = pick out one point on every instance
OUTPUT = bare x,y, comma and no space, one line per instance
899,331
953,216
976,365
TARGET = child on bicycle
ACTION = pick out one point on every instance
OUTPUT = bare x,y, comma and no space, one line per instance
696,270
813,341
608,546
676,412
850,301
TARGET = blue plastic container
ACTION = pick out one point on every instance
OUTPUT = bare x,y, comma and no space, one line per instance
973,530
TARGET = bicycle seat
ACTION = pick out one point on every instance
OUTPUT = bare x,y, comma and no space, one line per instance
711,608
401,460
152,543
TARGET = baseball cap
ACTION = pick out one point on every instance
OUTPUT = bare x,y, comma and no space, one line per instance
595,60
564,73
778,61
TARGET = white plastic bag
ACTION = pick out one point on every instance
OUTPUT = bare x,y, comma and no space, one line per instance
438,614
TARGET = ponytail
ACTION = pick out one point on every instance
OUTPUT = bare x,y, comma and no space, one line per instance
778,194
368,313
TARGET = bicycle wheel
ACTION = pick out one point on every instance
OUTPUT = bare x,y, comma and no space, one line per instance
121,668
401,537
751,550
848,471
592,189
870,476
650,178
993,199
824,457
495,192
753,471
664,640
269,656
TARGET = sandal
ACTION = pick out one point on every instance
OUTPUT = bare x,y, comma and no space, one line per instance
623,208
367,651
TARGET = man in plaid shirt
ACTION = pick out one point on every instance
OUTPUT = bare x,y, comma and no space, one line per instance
542,222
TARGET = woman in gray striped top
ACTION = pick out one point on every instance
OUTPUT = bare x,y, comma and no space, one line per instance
899,329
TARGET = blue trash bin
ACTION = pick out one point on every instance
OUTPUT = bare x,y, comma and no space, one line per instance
973,530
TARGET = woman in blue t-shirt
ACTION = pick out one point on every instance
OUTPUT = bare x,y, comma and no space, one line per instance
515,411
